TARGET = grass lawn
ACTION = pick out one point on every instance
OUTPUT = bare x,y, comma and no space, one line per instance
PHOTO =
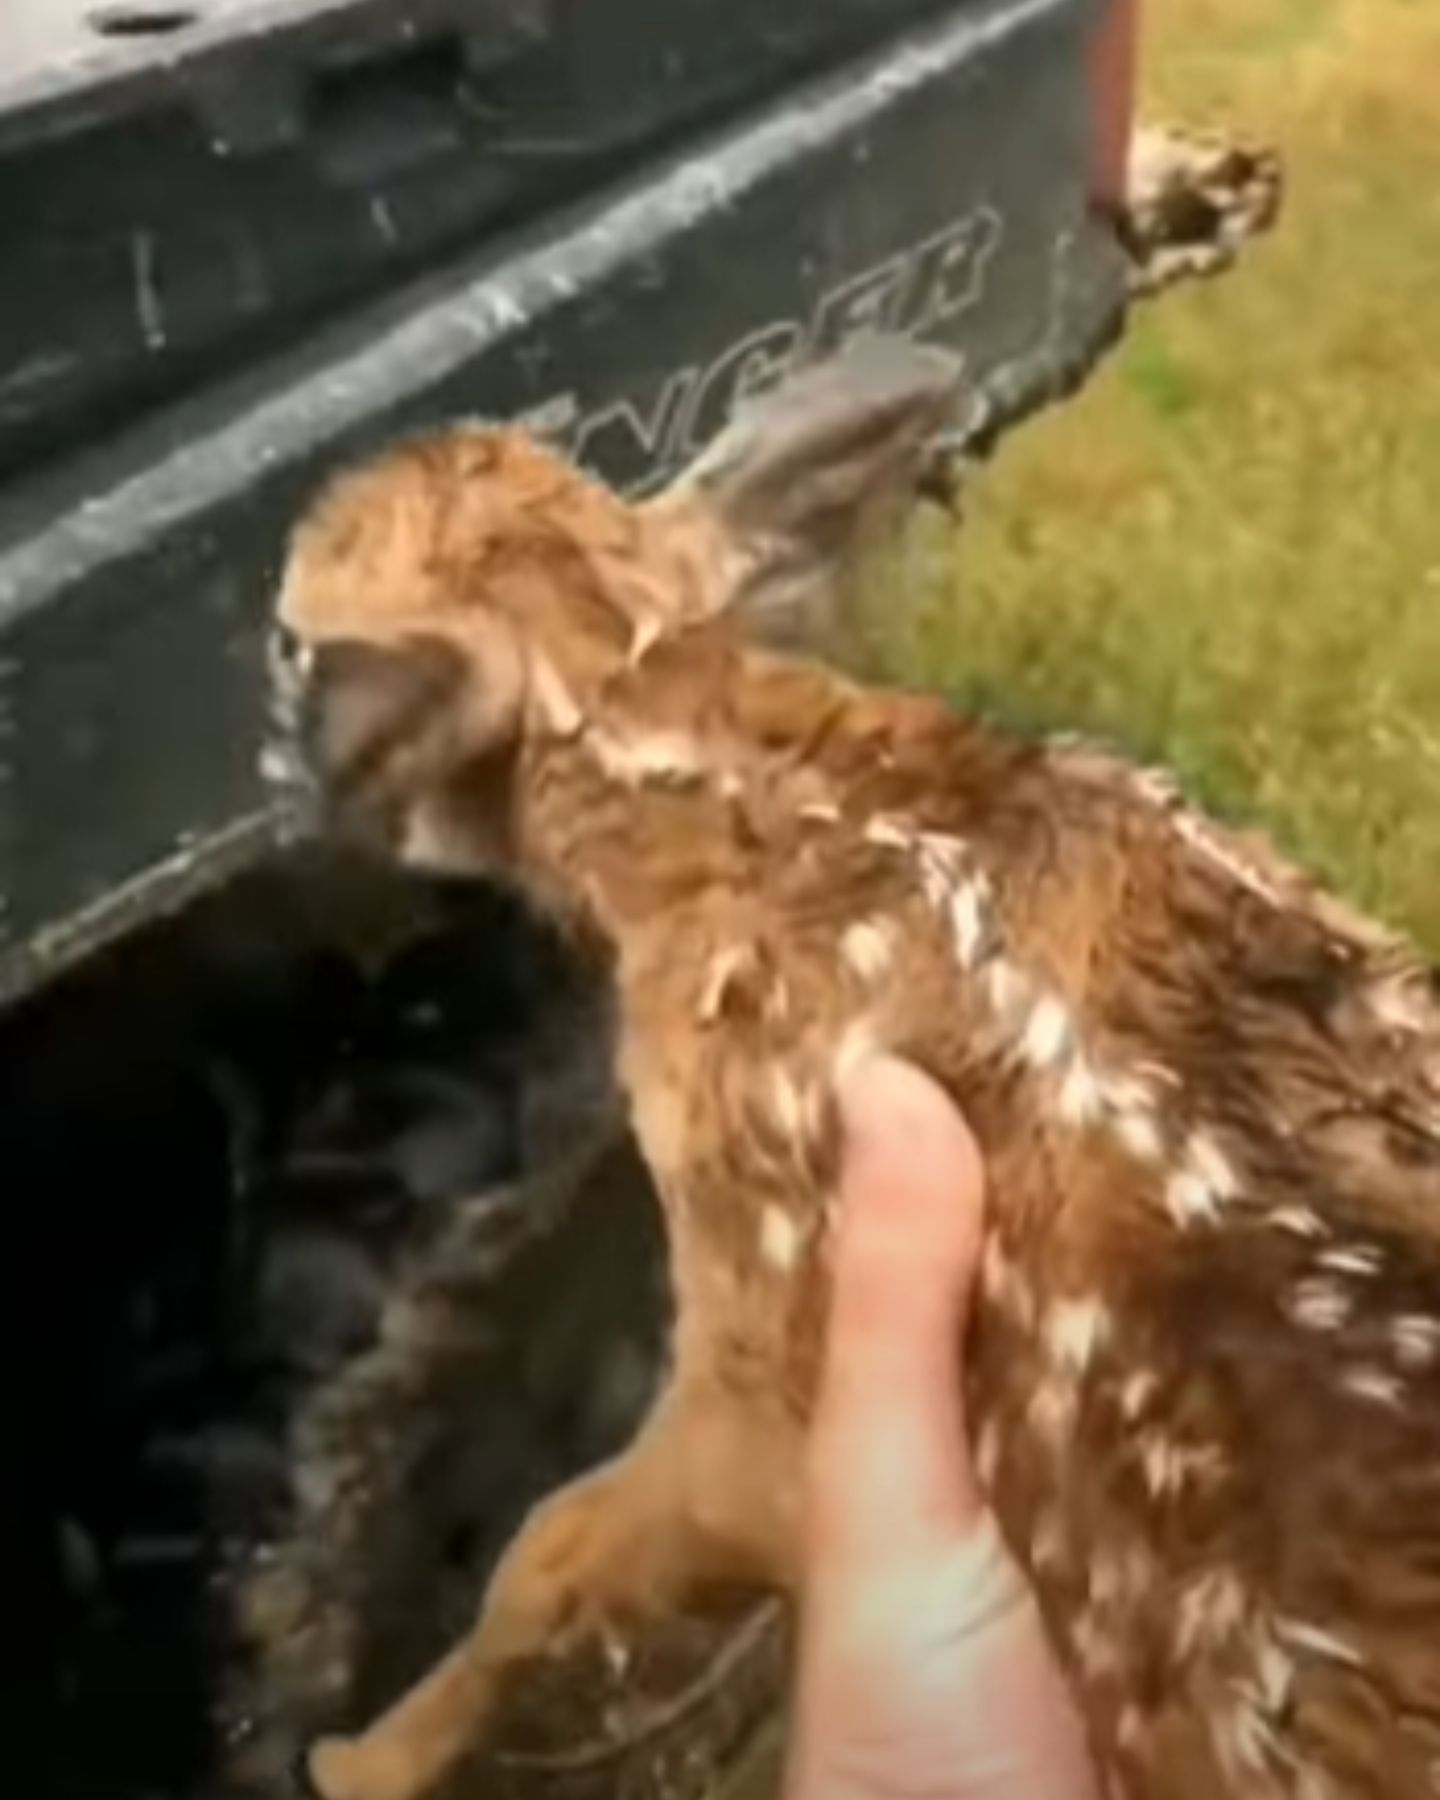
1225,554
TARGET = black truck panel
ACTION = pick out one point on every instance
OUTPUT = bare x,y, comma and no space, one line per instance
179,201
937,183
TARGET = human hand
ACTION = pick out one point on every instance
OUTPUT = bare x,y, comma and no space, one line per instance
924,1670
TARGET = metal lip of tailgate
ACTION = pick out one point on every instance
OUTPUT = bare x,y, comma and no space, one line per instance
64,64
68,64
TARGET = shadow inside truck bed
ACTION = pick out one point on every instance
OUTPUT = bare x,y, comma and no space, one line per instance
326,1254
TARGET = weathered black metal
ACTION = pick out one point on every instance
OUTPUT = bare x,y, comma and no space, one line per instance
936,182
182,197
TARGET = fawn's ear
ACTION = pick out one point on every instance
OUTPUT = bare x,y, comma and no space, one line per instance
801,478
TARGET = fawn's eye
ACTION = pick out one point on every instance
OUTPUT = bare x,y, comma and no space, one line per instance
289,654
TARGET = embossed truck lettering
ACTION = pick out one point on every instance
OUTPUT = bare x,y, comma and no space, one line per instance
919,290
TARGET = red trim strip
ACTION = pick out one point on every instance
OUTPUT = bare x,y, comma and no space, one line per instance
1114,59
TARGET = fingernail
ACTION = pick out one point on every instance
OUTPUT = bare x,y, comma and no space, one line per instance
909,1163
890,1107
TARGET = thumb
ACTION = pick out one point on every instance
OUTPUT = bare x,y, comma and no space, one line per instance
890,1472
924,1668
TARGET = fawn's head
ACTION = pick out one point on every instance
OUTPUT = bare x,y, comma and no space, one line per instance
470,594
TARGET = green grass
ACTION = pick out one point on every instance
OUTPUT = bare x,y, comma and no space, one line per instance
1225,554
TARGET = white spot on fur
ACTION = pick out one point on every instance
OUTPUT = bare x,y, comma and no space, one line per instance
1244,1737
1157,787
1095,1649
1315,1640
1046,1034
1080,1098
777,1000
648,629
1366,1382
856,1043
944,850
1400,1005
1299,1221
868,947
1274,1675
789,1103
1075,1330
660,756
779,1239
1003,1284
1140,1134
1119,1576
1318,1305
1053,1407
1212,1608
556,704
1415,1340
1161,1461
1170,1466
942,865
1021,1302
1210,1163
1126,1091
1106,1582
889,833
1137,1391
935,884
1354,1260
617,1654
1190,1200
1003,985
724,967
967,920
1201,836
821,812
